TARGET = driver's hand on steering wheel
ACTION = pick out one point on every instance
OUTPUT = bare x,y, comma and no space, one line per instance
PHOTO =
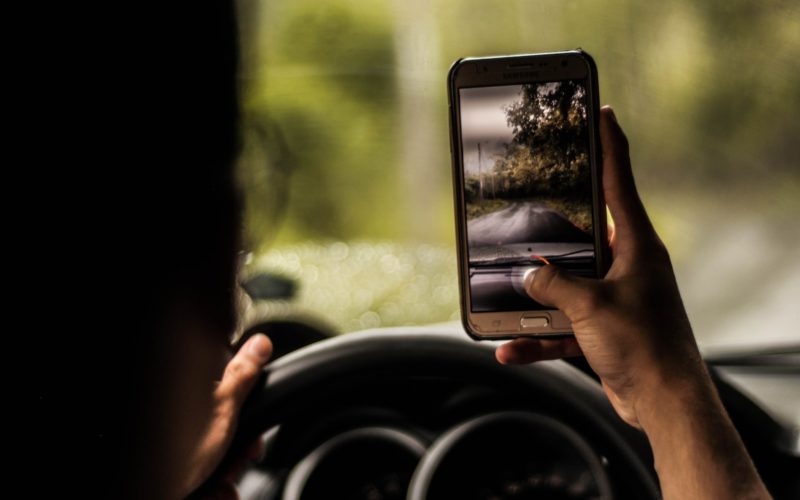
241,374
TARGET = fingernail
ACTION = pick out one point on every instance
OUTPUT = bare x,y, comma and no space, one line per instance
501,358
260,346
527,279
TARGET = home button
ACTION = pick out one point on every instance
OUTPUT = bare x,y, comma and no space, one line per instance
534,322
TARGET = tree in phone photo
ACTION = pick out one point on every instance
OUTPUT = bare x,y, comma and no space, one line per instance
547,158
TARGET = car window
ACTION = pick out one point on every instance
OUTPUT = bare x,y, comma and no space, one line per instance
346,169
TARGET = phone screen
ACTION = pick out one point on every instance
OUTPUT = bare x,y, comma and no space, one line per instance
527,187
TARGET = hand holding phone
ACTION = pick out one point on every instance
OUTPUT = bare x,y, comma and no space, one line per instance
634,331
526,153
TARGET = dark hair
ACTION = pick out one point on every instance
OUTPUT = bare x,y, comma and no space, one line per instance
141,213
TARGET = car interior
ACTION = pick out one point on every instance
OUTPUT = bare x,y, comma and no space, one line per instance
376,392
346,255
425,412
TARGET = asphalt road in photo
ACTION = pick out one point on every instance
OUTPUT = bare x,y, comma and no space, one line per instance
523,222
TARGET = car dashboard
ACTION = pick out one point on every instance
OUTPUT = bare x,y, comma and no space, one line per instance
370,416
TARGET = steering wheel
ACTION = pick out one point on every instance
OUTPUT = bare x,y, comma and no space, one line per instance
303,383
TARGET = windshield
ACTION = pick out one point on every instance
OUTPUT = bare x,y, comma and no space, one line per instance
346,167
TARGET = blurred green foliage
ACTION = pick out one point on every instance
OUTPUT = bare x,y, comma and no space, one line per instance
323,79
346,112
362,284
706,92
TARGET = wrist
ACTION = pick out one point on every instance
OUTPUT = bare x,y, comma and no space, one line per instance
697,451
666,396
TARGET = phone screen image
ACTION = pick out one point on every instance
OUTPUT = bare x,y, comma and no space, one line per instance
527,187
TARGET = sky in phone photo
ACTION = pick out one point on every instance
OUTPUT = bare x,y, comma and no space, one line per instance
483,120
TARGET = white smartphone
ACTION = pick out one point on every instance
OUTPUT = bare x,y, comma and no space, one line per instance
527,185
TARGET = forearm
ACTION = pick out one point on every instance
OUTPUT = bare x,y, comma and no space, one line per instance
698,452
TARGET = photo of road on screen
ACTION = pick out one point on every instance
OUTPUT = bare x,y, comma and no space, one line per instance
527,187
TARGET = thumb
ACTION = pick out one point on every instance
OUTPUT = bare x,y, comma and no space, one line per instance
241,374
552,286
243,370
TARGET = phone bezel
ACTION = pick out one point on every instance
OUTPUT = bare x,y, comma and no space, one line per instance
515,70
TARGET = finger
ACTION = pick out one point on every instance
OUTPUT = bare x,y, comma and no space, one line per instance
552,286
243,370
527,350
619,187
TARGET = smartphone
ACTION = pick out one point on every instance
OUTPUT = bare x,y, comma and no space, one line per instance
527,185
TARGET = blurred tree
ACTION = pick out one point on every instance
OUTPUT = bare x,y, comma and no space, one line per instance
348,106
355,92
321,111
